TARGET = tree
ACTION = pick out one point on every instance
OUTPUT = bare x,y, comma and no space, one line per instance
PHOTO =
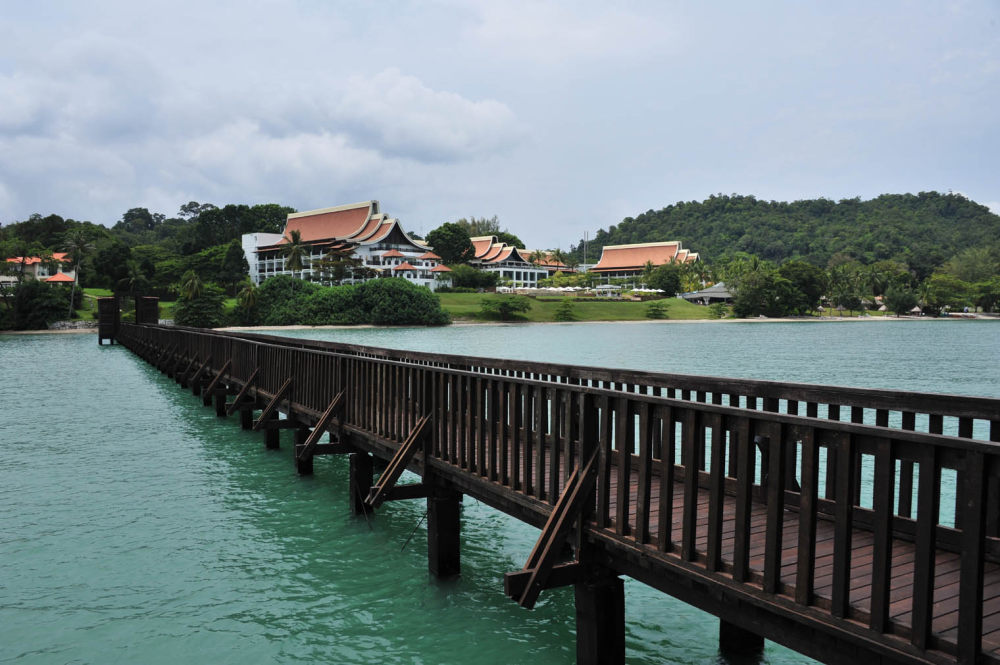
465,276
136,220
565,312
201,310
666,278
234,268
295,251
509,238
193,209
656,310
451,242
900,301
764,293
808,280
77,245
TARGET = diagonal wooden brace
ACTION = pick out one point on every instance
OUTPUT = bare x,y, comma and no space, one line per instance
305,451
241,395
273,404
197,375
543,556
218,377
398,463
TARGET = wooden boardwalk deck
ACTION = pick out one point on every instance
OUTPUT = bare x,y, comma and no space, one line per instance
852,525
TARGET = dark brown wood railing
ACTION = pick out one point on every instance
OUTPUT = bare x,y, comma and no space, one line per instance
879,529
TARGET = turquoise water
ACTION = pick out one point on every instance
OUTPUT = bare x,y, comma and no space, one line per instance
136,527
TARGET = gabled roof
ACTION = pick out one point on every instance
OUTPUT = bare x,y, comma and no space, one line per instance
392,254
636,256
60,277
441,268
429,256
405,265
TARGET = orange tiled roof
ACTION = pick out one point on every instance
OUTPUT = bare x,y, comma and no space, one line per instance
635,257
441,268
405,265
392,254
60,277
429,256
31,260
340,222
482,244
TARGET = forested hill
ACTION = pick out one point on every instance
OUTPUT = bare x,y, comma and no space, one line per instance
922,230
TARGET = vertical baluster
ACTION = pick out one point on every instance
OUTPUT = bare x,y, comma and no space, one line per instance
624,440
552,416
689,436
843,523
539,423
744,494
972,478
530,397
516,423
808,494
645,473
777,458
717,493
495,429
604,465
928,497
885,473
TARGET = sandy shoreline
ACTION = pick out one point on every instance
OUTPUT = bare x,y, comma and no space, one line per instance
809,319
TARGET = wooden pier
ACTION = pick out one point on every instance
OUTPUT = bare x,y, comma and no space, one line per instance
852,525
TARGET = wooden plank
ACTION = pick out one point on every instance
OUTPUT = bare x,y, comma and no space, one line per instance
306,450
624,433
218,376
644,479
744,479
398,463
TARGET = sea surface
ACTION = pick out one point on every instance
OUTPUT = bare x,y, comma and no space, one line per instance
136,527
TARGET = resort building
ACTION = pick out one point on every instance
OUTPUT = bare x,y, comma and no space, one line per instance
631,260
545,259
512,264
58,269
348,244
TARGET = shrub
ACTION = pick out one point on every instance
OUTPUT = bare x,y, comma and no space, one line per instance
505,308
281,299
396,301
656,310
565,312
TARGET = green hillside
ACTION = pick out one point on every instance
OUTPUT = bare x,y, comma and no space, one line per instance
922,230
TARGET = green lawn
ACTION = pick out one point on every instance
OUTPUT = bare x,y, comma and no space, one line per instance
465,307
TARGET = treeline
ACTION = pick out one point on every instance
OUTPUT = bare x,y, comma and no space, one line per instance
919,231
147,252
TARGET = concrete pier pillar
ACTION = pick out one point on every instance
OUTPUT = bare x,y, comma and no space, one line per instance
739,644
361,478
220,404
246,418
600,621
443,535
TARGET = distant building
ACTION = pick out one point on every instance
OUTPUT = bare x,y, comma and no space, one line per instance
631,260
545,259
36,267
511,263
713,294
373,242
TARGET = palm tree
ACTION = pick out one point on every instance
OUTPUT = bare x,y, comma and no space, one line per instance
294,250
247,297
76,243
190,285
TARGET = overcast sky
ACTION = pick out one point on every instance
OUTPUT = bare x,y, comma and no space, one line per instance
560,118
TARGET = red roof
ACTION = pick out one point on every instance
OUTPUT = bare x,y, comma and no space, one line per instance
392,254
405,265
441,268
635,257
31,260
429,255
60,277
341,222
482,244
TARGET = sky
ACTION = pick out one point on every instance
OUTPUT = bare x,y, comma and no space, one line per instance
558,117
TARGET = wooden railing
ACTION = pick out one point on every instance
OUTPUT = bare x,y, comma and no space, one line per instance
757,485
